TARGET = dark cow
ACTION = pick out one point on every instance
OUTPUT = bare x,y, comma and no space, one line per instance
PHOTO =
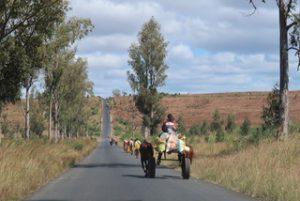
147,159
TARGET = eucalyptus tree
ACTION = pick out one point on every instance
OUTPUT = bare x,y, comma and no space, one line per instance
65,36
25,25
73,89
289,28
24,14
17,17
31,41
148,61
53,84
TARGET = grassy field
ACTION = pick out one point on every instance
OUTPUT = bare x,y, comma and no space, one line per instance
270,170
27,165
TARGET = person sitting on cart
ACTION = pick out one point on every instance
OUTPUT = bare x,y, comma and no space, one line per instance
171,124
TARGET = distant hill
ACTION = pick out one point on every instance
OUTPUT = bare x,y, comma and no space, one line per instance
200,107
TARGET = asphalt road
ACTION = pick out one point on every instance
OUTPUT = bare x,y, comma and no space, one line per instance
109,174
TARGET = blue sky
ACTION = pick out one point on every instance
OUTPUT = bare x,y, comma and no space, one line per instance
214,46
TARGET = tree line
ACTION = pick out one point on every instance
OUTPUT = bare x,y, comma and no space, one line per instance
37,42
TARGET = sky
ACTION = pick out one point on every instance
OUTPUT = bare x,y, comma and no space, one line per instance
213,46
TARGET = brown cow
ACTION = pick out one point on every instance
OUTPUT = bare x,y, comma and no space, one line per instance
147,159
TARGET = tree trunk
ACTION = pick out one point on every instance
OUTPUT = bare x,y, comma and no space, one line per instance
62,134
0,124
152,125
146,132
284,71
50,118
56,120
27,115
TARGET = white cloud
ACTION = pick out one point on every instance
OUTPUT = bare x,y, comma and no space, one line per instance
181,51
105,61
107,43
237,52
112,17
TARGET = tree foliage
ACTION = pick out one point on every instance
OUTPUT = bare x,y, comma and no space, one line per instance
217,126
73,88
217,122
272,110
195,129
245,127
230,123
116,92
147,59
24,25
58,56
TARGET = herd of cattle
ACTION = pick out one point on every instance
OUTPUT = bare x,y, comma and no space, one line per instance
145,150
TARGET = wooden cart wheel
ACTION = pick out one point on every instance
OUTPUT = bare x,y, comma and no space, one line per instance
185,168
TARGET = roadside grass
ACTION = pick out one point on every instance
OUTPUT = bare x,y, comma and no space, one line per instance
27,165
269,170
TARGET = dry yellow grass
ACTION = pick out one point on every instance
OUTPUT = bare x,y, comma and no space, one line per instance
26,165
270,170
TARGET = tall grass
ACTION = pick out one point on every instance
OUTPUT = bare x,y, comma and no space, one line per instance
270,170
26,165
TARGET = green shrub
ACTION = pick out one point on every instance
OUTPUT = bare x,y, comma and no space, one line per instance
217,126
195,129
117,130
77,146
95,110
37,124
211,138
204,128
122,121
229,138
230,123
94,129
245,127
133,135
271,112
262,133
216,123
220,135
